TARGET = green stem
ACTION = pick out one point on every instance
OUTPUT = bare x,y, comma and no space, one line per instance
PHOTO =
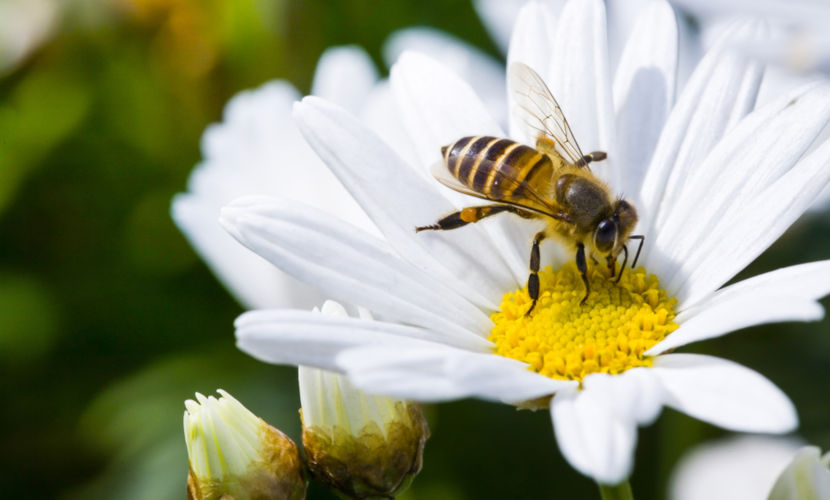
621,491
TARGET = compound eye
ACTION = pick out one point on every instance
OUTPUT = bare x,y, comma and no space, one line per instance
605,236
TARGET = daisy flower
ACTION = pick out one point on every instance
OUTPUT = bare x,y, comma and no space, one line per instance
752,468
715,183
736,468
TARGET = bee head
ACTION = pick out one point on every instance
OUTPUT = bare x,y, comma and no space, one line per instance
613,231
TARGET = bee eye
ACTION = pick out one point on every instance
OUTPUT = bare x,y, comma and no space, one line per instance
605,236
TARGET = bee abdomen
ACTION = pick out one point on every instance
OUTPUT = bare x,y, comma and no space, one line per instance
492,166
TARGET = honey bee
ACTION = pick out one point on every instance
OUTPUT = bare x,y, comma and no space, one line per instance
550,181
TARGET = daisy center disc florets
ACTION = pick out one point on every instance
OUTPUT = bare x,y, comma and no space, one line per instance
564,339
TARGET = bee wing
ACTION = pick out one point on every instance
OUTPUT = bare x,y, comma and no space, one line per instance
539,113
531,200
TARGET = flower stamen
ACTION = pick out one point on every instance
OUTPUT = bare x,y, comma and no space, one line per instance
564,339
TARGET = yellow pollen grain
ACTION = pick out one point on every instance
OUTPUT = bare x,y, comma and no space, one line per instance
564,339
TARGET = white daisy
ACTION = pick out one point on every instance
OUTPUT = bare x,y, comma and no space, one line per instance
752,468
715,185
807,477
736,468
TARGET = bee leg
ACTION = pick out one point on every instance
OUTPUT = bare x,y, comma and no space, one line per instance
533,279
622,267
467,215
583,269
611,263
642,239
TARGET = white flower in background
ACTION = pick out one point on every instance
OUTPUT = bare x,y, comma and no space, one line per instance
24,26
800,38
235,454
363,446
257,150
751,468
807,477
714,182
735,468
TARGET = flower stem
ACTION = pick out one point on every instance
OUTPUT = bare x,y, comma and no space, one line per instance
620,491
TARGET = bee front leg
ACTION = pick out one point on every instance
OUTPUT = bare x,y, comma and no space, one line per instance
582,265
533,279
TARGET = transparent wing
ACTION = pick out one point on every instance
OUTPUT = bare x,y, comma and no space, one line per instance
530,199
539,113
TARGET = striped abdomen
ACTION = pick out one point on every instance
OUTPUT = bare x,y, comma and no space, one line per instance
496,168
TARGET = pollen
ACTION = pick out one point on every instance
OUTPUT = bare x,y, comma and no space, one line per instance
565,339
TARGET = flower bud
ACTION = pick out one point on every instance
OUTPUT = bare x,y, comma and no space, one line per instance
363,446
235,455
806,477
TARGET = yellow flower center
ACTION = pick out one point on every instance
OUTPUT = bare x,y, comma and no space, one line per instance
564,339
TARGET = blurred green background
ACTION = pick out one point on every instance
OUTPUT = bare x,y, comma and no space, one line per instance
108,319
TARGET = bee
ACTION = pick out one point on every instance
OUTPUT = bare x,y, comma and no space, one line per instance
550,181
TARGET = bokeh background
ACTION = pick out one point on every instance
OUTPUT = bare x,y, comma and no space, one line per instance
109,320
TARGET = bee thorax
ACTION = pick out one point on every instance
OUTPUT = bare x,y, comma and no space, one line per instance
586,201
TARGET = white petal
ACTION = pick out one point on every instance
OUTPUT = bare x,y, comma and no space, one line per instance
721,91
250,278
762,220
762,148
809,281
346,76
633,395
437,109
305,338
724,393
485,74
397,199
623,17
278,322
644,92
255,150
433,374
786,294
740,311
579,79
499,17
530,44
349,264
594,440
382,116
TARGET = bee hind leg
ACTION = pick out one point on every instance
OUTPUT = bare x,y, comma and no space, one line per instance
533,279
582,265
468,215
